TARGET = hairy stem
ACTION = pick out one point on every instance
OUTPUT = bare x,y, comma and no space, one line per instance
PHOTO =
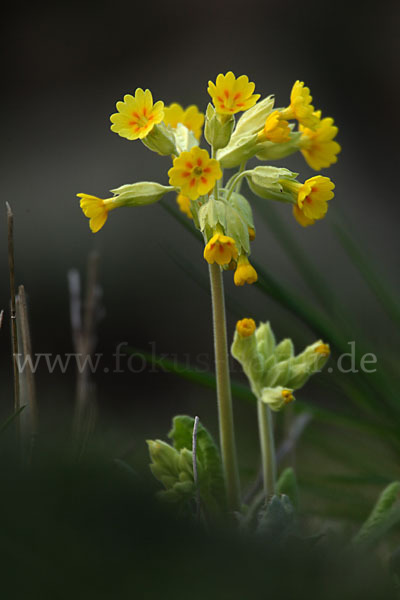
225,412
267,443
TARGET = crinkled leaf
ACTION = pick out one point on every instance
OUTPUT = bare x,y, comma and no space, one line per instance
211,481
384,515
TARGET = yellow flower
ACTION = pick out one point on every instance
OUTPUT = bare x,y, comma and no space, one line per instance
231,95
244,273
252,234
323,349
184,205
276,129
190,117
246,327
300,107
220,249
312,198
195,173
317,146
96,209
287,396
137,115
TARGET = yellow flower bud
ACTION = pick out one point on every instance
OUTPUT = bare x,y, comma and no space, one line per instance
323,349
287,396
246,327
245,272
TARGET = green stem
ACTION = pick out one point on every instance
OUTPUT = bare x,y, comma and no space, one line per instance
216,187
234,181
266,433
225,412
241,169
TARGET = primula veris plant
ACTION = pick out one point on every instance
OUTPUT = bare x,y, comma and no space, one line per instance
239,126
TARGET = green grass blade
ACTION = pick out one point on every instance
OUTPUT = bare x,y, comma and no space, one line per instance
366,267
11,418
318,285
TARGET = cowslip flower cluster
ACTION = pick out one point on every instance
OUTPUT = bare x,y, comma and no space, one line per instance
214,202
273,370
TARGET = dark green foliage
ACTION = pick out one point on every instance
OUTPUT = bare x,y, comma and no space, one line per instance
86,530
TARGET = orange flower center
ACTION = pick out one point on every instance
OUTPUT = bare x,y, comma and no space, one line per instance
140,121
229,101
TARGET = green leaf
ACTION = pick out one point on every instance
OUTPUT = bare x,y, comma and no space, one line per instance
370,273
287,484
384,515
277,519
211,481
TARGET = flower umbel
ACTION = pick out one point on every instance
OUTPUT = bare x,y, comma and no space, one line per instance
317,146
195,173
137,115
96,209
220,249
300,107
190,117
276,129
245,327
245,272
231,95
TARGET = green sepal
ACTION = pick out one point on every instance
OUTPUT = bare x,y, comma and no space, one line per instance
211,214
141,193
278,374
185,139
272,151
253,119
274,192
306,364
273,397
284,350
216,131
264,181
242,205
239,149
245,350
161,140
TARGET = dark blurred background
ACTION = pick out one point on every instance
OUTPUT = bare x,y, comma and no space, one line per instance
63,70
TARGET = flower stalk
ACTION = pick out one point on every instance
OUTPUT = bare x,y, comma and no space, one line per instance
267,445
224,396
